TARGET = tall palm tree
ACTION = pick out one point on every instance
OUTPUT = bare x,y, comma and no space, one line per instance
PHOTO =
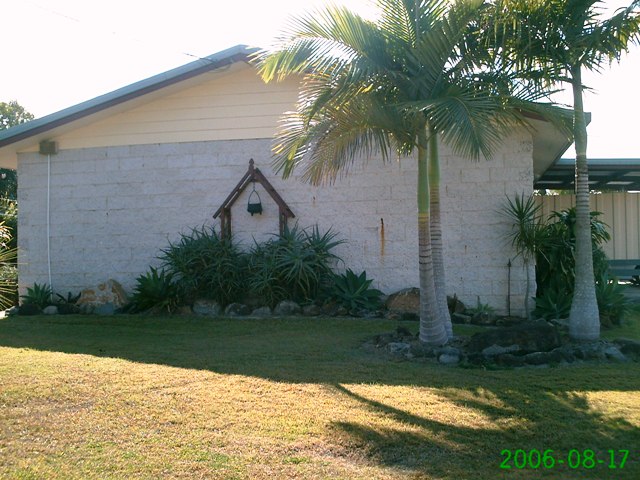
394,85
558,40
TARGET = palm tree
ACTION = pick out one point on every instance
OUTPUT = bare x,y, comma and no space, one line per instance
558,40
395,85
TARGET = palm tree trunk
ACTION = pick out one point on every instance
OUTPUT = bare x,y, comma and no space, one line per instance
432,330
584,319
436,234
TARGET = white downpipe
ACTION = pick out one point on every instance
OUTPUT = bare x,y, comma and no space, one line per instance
49,219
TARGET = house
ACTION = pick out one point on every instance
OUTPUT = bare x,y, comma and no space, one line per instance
104,185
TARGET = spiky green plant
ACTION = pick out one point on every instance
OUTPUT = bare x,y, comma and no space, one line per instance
354,291
155,291
38,295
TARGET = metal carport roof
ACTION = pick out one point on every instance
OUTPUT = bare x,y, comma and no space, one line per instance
612,174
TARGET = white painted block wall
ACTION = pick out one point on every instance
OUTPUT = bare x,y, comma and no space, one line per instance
114,208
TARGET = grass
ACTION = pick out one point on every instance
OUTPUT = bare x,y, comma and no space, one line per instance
139,397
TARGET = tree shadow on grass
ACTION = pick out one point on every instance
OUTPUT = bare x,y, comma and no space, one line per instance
434,449
519,409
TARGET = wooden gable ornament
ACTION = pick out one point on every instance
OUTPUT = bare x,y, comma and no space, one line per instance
253,175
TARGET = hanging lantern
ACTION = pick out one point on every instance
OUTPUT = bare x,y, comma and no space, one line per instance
254,205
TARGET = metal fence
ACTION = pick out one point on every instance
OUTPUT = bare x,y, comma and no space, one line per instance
620,211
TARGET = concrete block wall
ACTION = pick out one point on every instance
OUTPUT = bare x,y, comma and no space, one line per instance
113,209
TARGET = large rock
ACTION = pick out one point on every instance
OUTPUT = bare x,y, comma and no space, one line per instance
206,307
261,312
109,292
237,310
287,307
405,301
50,310
628,347
312,310
529,337
105,309
398,348
449,359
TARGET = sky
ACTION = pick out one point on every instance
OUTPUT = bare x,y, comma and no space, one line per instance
57,53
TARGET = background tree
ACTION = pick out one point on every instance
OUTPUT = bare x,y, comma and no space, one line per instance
395,85
557,40
11,114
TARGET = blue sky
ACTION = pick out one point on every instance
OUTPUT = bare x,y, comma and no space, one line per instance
60,52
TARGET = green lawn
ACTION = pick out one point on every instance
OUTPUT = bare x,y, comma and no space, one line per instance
136,397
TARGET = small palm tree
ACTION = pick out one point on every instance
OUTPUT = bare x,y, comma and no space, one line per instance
395,85
556,40
528,235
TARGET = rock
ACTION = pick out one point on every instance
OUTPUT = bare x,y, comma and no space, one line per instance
207,307
566,353
405,301
373,314
630,348
329,309
261,312
494,350
447,359
105,309
398,348
529,337
184,310
12,311
29,309
507,321
109,292
476,359
589,351
68,309
543,358
287,307
483,319
422,350
252,300
460,318
341,312
237,310
613,353
311,310
50,310
447,350
384,339
86,309
509,360
455,305
393,316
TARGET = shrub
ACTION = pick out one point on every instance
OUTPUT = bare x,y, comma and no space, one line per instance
67,305
264,275
8,280
8,254
9,223
555,261
554,303
155,291
38,296
354,292
612,302
206,265
293,265
553,244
